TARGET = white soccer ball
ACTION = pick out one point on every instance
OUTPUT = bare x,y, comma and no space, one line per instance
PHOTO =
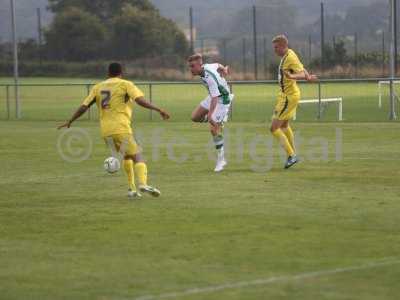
112,165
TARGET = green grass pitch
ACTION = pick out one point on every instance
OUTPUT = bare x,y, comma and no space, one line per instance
68,231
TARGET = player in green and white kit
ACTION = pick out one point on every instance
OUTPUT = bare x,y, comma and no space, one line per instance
215,108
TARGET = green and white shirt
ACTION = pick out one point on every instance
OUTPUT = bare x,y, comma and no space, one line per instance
216,85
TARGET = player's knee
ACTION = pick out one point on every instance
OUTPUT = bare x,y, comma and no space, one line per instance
275,126
195,118
214,130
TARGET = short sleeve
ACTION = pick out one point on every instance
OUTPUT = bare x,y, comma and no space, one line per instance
133,91
212,87
293,64
213,67
91,98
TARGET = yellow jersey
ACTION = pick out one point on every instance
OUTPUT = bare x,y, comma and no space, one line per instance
114,98
289,63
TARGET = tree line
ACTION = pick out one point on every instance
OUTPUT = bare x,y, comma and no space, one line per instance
90,30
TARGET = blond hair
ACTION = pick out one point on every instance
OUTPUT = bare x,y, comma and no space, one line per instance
281,39
195,57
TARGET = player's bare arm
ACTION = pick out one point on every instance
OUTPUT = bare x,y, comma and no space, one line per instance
310,77
146,104
303,75
80,111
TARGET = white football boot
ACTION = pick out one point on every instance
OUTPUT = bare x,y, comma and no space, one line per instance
221,162
133,194
220,165
149,190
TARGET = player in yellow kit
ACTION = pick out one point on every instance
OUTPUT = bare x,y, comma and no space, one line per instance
115,98
290,70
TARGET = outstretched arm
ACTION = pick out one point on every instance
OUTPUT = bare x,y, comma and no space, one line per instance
303,75
80,111
146,104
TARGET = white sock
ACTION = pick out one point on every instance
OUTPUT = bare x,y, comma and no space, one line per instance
221,154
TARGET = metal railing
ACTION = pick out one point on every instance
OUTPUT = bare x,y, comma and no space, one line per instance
150,86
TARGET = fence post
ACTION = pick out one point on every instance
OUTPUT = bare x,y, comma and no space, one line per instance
8,101
393,59
87,93
392,107
255,42
191,30
383,54
356,54
151,100
319,100
322,37
231,107
244,66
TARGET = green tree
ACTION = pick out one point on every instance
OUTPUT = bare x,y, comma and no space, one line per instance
335,55
340,53
75,35
122,29
29,50
137,33
104,9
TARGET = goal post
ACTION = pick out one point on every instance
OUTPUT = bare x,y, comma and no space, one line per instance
339,102
380,90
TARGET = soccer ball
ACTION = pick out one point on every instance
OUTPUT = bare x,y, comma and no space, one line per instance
112,165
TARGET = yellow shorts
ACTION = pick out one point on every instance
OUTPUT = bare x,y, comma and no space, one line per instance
286,106
123,143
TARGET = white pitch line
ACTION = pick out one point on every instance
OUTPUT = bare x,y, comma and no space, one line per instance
265,281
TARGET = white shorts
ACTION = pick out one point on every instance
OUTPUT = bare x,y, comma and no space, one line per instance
221,112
